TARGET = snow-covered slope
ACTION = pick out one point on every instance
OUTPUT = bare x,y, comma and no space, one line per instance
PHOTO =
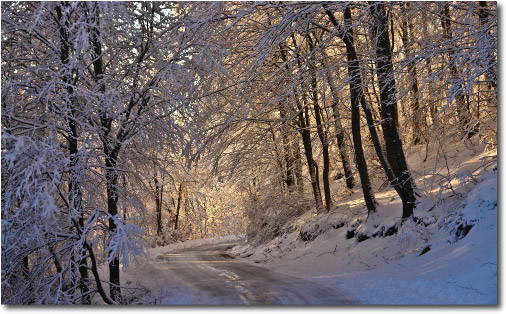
447,255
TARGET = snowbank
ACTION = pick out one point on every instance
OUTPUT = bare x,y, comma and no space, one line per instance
464,272
157,251
447,255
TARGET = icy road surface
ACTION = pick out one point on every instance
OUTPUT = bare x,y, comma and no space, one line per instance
210,270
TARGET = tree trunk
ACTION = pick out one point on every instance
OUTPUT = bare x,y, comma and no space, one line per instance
111,152
490,63
418,116
179,200
94,270
298,164
25,268
491,70
158,202
74,183
279,159
292,143
386,82
340,135
357,98
463,110
311,163
111,175
287,151
432,104
322,133
303,122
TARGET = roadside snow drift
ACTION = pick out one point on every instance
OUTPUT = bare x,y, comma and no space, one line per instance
446,255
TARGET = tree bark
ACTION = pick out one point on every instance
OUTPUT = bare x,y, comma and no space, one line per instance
418,116
279,158
179,200
357,99
288,152
111,175
292,142
387,85
308,151
491,74
463,110
322,133
158,203
303,123
340,135
111,152
94,270
74,183
298,164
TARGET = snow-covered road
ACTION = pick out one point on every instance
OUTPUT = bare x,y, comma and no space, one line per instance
211,271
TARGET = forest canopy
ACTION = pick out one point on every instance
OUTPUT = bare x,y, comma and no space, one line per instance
128,125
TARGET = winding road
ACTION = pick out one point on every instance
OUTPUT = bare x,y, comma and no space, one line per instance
210,270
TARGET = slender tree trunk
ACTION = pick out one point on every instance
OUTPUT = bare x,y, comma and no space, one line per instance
94,270
372,97
463,110
311,163
74,183
25,268
111,175
386,82
291,143
76,200
308,151
357,98
491,73
432,104
298,163
303,122
179,200
418,116
287,151
111,152
158,203
340,135
322,133
490,58
279,159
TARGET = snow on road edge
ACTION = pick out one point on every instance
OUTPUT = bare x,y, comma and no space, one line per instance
458,269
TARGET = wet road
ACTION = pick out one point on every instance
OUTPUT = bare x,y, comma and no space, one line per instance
210,270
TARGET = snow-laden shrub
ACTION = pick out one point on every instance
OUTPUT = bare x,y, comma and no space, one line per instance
270,211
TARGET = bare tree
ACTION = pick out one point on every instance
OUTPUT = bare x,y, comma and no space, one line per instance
386,82
357,100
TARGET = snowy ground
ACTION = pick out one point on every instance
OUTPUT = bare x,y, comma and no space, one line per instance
449,256
459,268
